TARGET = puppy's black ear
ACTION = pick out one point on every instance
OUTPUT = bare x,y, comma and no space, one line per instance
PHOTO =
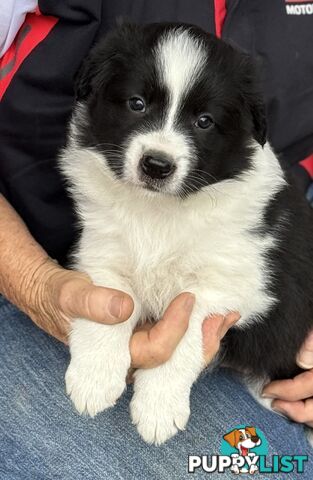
83,79
96,69
253,98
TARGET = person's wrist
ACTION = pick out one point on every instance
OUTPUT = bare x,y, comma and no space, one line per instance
38,286
40,295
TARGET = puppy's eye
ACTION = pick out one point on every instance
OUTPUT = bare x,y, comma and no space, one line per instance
137,104
204,121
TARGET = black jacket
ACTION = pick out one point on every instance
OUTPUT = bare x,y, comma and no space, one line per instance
36,85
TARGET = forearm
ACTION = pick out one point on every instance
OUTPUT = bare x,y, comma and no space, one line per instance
48,293
22,260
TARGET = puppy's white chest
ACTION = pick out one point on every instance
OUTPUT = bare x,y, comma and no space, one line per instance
229,268
162,255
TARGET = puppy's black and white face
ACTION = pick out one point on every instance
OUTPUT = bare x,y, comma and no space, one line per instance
171,108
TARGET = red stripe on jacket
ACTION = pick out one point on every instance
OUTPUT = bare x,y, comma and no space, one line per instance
307,163
219,14
34,29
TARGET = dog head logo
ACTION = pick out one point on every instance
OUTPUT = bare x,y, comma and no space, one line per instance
243,439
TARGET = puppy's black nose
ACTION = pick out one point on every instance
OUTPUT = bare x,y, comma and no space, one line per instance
255,439
157,165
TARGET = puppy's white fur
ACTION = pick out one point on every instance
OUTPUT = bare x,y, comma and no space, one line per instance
154,246
180,60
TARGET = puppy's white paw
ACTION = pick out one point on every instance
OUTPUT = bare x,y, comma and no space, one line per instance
94,387
159,416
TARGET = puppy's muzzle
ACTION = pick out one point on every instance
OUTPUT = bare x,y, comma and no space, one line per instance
156,165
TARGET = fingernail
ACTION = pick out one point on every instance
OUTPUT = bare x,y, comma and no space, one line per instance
189,303
268,395
115,307
305,359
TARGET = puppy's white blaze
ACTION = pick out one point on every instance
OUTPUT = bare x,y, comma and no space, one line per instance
180,58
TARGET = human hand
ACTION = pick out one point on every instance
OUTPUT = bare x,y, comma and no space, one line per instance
153,344
62,295
294,398
58,295
214,329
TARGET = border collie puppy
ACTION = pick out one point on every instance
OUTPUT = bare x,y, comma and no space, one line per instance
177,190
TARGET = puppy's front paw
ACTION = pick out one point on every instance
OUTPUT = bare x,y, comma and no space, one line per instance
93,386
158,416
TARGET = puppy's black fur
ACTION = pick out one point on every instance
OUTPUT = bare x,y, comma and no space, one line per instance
122,65
270,346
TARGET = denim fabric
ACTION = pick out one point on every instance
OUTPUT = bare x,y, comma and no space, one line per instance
43,438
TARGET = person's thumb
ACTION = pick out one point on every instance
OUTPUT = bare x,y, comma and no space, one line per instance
305,356
82,299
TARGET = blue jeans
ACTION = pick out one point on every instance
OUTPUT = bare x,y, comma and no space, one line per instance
43,438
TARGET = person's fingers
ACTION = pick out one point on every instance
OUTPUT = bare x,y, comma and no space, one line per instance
154,346
80,298
214,329
144,326
229,321
300,411
169,330
297,388
305,356
211,328
141,355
